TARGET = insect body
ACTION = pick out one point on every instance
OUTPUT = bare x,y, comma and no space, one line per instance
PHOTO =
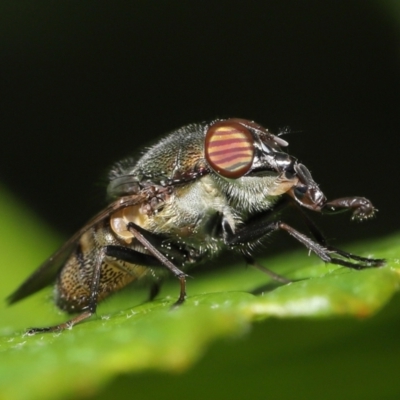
200,190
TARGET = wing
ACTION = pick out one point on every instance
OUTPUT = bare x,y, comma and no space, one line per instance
48,271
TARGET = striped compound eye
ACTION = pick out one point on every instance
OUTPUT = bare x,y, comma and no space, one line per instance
229,149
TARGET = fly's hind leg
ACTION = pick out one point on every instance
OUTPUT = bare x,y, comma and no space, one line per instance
92,304
65,325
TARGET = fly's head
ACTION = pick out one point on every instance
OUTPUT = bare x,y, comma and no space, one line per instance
255,171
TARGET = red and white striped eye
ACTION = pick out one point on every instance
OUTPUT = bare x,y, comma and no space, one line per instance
229,149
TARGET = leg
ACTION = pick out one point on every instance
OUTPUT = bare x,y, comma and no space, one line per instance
131,256
154,290
362,208
135,257
257,230
276,277
319,237
140,236
309,195
91,309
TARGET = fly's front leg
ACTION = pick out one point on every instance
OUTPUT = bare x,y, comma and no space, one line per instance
92,304
308,194
319,237
257,229
361,207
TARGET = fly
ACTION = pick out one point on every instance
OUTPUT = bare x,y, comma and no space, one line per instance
200,190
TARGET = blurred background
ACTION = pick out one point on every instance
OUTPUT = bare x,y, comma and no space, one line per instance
84,84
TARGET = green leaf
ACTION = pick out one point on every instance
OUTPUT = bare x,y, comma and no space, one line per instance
129,334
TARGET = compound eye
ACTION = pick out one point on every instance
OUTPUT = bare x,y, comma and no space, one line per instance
229,149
